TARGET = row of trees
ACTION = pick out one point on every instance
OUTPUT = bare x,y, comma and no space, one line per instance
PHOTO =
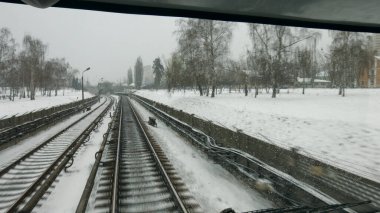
351,54
279,56
158,71
25,70
203,47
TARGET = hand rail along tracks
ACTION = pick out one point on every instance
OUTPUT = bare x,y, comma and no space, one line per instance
136,173
23,182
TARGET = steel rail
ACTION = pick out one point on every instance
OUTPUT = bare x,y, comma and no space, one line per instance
115,185
56,166
98,156
122,186
13,164
10,134
61,162
173,191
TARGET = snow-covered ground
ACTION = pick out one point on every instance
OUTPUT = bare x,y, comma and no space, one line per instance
343,131
211,185
20,106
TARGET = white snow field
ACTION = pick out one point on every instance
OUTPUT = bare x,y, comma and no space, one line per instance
343,131
20,106
211,185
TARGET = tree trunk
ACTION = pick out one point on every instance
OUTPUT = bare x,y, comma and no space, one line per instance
274,90
246,89
212,91
303,85
14,94
32,89
200,90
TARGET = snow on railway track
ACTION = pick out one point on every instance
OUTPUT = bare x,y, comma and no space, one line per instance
137,174
23,182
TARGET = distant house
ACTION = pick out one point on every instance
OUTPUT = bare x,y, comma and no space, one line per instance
376,73
318,83
324,75
371,77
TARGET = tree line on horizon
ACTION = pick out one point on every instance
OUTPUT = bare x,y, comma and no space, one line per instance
279,55
136,76
26,70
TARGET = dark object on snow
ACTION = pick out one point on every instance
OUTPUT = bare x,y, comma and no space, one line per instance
88,108
152,122
229,210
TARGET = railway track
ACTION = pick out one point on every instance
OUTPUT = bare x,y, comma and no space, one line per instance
134,174
24,182
11,135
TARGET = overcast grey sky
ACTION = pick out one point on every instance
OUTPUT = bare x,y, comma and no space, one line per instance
107,42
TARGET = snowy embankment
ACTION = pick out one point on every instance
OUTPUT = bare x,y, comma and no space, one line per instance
20,106
211,185
343,131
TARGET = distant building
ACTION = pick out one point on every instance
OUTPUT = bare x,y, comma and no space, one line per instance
324,75
317,83
371,77
148,78
365,79
376,73
376,43
374,80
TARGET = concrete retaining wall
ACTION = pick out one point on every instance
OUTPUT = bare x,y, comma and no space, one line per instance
17,120
327,178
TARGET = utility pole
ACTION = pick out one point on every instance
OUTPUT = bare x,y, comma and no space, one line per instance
88,68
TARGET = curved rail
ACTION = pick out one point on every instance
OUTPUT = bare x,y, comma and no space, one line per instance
24,182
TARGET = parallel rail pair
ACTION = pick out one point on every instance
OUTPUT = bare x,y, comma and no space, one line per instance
133,174
9,135
24,181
